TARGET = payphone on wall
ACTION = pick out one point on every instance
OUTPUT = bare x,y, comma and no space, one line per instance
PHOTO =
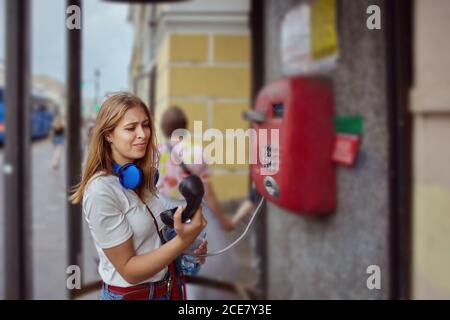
295,170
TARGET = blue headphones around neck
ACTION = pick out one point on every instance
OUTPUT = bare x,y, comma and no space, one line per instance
130,175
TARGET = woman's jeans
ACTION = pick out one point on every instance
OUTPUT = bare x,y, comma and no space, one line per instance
106,294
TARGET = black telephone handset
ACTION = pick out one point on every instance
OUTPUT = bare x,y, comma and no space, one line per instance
193,191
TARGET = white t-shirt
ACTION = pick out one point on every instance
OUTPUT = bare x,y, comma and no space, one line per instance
115,214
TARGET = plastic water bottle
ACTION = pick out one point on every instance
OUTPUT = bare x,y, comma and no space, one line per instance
190,265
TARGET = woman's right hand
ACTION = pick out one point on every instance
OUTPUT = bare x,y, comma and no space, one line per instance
188,232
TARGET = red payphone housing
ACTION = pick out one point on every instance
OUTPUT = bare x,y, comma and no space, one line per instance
296,172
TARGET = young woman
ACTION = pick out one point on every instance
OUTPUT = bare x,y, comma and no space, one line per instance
135,260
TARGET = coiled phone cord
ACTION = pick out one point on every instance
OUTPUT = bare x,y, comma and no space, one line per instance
216,253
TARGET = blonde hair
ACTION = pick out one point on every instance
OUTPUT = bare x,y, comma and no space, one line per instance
99,159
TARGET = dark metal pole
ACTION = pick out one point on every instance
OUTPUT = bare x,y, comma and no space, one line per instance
17,167
74,221
258,76
399,37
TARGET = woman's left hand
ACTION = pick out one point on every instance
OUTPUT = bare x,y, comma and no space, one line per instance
202,249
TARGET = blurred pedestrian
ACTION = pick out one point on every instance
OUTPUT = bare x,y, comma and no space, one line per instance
172,172
87,134
89,128
247,207
120,205
57,138
225,267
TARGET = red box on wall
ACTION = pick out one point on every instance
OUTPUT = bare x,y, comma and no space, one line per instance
295,170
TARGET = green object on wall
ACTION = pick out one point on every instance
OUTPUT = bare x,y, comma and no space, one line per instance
348,124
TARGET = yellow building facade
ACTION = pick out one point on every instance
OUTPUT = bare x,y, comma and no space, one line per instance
208,76
430,107
202,64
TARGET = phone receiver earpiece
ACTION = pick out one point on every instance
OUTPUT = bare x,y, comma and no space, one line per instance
193,191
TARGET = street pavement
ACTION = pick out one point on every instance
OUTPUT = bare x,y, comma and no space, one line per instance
49,229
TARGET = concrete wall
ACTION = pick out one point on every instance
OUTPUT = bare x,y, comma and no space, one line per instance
430,105
327,258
